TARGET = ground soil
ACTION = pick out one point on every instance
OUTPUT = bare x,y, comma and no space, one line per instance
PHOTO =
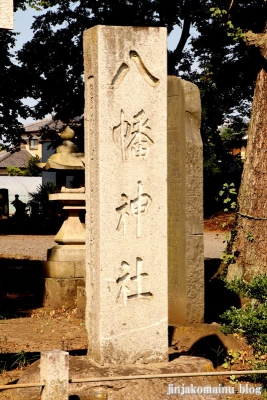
26,328
219,222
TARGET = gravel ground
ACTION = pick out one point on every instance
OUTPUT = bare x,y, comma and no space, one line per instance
35,247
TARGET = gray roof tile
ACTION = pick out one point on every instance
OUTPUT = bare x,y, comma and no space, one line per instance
18,159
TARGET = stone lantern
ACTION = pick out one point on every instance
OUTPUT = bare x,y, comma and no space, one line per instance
65,266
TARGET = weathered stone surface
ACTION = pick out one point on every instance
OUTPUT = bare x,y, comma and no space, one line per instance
64,269
126,177
6,14
66,253
156,389
72,230
54,372
65,262
75,198
185,203
59,292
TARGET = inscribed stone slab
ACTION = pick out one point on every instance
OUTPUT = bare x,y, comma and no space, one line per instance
126,180
185,203
6,14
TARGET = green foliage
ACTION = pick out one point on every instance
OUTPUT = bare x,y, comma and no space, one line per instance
31,168
14,171
22,359
223,17
227,258
41,197
250,321
19,360
228,195
234,356
12,90
39,4
52,62
250,237
50,67
42,192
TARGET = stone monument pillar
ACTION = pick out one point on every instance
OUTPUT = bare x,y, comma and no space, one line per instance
126,200
6,14
185,203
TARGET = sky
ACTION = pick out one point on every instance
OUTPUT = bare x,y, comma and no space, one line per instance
24,19
22,24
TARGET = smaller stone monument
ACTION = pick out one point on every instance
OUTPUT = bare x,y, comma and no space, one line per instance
6,14
65,265
185,204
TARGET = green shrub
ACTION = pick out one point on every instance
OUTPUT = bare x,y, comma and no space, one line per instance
31,168
251,320
41,197
228,196
14,171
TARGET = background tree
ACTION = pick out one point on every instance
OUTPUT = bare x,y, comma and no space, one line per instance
52,63
249,247
245,23
11,93
13,87
30,170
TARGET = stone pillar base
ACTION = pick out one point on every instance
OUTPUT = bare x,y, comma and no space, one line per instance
63,273
59,292
65,261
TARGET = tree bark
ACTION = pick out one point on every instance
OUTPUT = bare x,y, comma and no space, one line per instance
250,244
175,57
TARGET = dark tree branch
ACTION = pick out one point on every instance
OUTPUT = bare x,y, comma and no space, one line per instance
231,5
258,40
176,55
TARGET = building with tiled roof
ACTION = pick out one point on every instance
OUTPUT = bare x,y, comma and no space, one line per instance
37,126
36,141
19,159
34,134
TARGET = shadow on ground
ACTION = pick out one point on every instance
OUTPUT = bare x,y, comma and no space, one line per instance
217,298
21,287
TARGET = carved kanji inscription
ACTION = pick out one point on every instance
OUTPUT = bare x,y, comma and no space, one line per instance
125,282
142,69
137,208
133,137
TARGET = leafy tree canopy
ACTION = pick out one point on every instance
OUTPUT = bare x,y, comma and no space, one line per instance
51,64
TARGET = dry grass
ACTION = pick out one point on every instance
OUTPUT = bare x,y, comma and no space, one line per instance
220,222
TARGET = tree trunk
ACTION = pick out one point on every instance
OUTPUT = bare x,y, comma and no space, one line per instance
250,244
